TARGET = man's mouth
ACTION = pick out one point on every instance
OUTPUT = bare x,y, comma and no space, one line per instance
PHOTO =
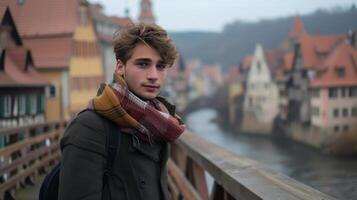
151,88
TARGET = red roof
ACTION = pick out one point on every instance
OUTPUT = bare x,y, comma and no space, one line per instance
121,21
288,60
246,62
272,58
298,28
213,72
314,48
233,74
51,52
344,57
18,69
43,17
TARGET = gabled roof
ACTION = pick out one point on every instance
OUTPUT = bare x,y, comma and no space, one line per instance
314,48
18,69
43,17
8,21
344,57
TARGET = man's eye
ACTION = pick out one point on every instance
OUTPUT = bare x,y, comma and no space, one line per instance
161,66
143,64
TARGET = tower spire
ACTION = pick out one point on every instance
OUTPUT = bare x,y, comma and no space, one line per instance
146,14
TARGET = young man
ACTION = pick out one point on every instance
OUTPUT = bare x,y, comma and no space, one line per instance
146,124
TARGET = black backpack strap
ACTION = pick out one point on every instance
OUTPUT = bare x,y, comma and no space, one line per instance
112,145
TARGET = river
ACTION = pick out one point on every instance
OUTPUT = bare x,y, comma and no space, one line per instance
331,175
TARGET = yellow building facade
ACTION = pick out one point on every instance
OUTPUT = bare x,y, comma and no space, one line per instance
85,69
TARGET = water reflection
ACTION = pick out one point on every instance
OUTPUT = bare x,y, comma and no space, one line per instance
334,176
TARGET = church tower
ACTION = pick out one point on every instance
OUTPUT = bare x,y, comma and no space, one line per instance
146,14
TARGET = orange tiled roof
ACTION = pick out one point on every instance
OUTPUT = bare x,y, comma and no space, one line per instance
314,48
213,72
43,17
288,60
297,29
246,62
343,56
51,52
272,58
18,69
121,21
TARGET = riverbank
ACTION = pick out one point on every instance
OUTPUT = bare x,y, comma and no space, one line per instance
336,176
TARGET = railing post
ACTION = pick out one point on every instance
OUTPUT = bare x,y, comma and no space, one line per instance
196,176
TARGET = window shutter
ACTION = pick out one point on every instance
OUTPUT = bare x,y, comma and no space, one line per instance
28,104
2,142
2,110
39,100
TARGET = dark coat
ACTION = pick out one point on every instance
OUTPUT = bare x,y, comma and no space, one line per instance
140,170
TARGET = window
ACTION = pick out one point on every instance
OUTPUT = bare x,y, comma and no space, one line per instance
259,67
315,111
332,92
336,128
345,128
22,105
40,103
354,112
353,91
20,2
340,71
344,92
75,85
315,93
344,112
336,112
15,110
33,104
7,106
52,91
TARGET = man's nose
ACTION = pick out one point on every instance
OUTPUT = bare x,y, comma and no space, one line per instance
152,73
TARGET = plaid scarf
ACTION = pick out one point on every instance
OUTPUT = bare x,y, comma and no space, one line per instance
117,103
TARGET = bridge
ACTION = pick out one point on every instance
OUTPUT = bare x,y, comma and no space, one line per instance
31,151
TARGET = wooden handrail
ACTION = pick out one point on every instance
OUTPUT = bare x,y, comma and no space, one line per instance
241,178
27,142
33,154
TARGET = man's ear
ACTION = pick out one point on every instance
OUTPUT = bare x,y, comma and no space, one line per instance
120,67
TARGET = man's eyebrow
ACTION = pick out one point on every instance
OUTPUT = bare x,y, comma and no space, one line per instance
148,60
143,59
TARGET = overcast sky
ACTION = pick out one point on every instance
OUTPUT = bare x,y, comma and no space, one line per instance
212,15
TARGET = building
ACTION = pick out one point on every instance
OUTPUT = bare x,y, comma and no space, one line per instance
146,13
61,36
261,102
22,88
334,91
309,53
106,27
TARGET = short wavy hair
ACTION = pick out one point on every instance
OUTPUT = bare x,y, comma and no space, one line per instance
152,35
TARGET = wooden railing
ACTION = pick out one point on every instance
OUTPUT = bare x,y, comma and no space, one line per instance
28,151
33,149
234,177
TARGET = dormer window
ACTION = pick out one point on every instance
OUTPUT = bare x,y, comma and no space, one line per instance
259,67
20,2
340,71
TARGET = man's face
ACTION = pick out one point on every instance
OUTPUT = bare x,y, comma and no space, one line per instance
144,72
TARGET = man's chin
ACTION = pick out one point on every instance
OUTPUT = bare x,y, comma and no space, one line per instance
146,97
